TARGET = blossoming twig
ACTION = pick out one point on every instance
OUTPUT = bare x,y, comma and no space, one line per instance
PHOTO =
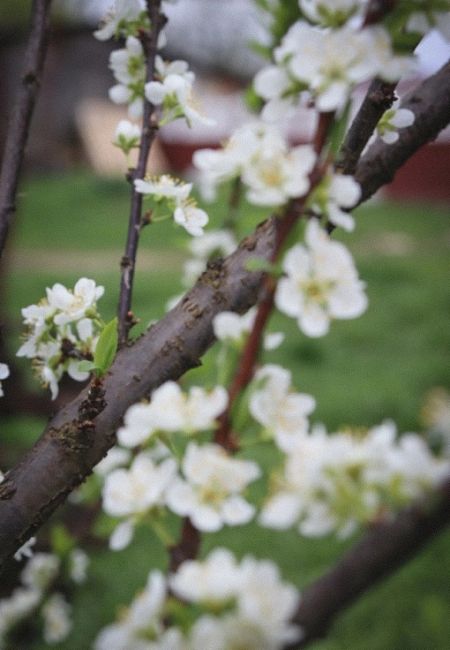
21,116
150,43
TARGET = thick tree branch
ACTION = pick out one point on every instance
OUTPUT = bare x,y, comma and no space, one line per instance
19,124
430,103
71,446
385,548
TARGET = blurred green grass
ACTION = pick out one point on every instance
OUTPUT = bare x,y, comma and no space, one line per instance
374,367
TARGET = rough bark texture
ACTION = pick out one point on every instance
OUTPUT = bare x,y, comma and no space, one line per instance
19,125
72,443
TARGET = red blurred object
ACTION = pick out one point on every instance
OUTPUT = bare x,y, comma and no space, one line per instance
424,176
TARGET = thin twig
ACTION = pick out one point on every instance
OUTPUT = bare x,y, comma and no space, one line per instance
19,124
150,127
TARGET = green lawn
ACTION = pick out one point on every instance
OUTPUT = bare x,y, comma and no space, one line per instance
378,366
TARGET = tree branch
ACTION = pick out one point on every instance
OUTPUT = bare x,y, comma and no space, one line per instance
380,96
149,130
382,550
430,102
70,446
19,124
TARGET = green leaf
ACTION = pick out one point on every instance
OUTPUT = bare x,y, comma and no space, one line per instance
106,348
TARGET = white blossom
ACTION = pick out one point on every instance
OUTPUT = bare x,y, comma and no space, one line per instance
73,305
214,580
321,283
275,176
164,187
4,373
172,410
173,90
56,613
334,192
116,457
128,67
138,489
393,119
176,193
331,13
280,410
127,136
62,330
211,492
192,219
40,570
122,12
142,620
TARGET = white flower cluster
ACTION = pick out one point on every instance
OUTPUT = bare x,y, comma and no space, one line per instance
327,64
171,89
321,283
4,374
62,330
338,482
123,16
259,154
226,604
174,195
34,596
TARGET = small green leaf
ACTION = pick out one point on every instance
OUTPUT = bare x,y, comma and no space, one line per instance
106,348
